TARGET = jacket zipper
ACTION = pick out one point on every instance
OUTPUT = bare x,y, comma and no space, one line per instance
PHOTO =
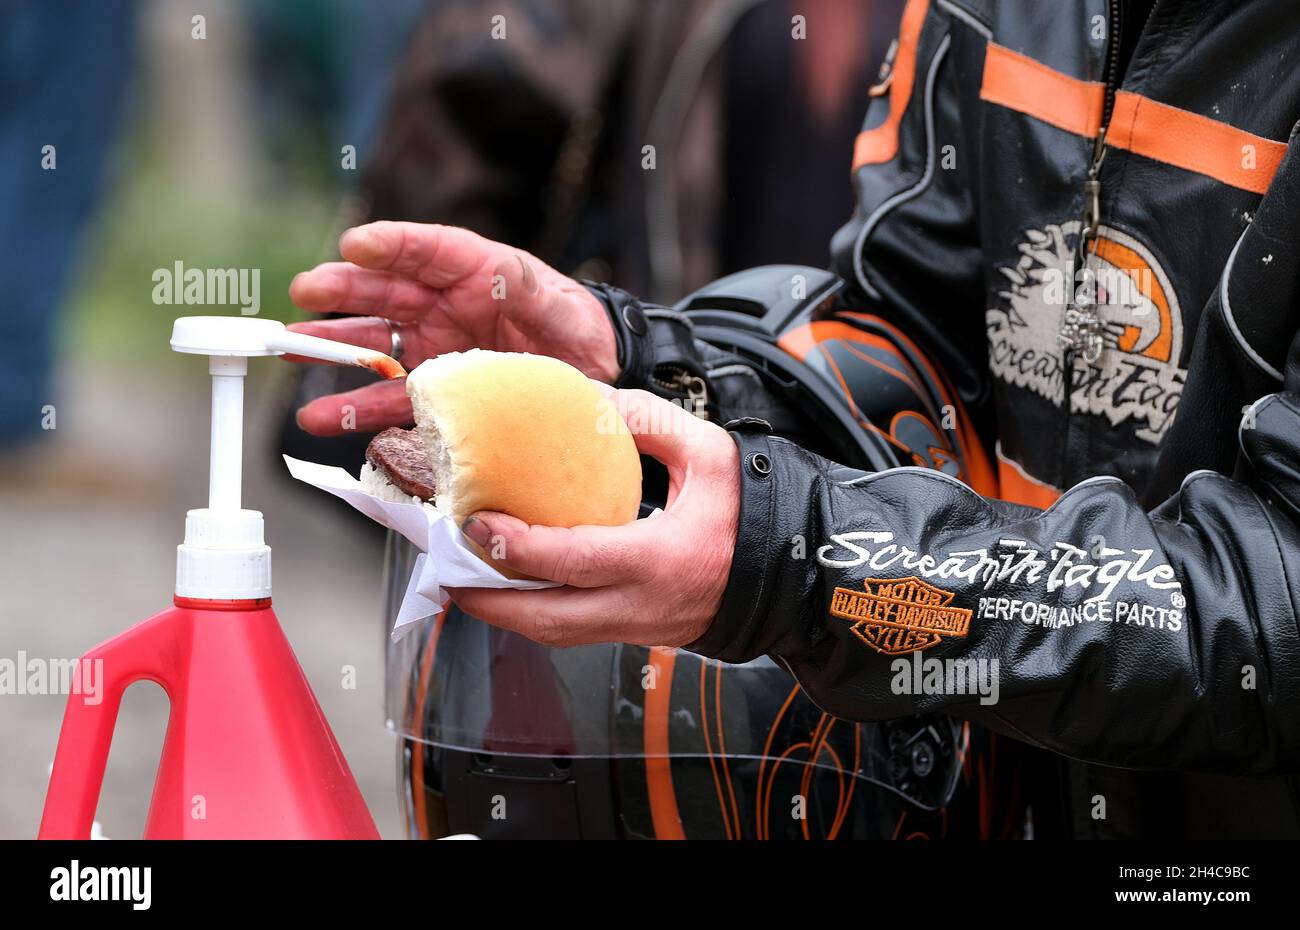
678,380
1082,326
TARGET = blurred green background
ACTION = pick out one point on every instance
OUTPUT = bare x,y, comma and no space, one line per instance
280,235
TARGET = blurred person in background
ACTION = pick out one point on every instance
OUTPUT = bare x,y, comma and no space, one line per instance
57,128
538,139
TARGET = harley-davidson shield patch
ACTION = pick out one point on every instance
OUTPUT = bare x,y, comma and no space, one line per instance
897,616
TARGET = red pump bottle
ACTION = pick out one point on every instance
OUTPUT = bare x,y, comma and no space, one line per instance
248,753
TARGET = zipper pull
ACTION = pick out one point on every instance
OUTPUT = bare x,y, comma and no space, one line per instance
1082,326
1081,334
1092,194
1091,210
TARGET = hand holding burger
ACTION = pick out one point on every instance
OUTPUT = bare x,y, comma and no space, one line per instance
540,466
542,488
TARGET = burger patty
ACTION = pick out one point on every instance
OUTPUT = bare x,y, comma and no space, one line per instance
400,454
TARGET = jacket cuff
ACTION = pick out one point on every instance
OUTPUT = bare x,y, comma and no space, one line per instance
656,349
631,333
743,628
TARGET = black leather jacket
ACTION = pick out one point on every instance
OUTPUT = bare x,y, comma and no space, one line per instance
1137,586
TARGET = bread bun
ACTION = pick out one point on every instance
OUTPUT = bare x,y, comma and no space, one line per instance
526,435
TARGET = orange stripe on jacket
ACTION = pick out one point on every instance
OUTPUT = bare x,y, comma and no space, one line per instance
1193,142
1019,83
878,145
1138,124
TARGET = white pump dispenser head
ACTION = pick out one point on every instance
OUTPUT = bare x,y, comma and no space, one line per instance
224,556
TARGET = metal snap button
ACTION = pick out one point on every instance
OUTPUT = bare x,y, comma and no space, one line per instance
635,320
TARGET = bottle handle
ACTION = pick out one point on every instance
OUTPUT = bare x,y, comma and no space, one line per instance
87,732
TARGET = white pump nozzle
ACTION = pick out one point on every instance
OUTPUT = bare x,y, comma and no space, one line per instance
224,556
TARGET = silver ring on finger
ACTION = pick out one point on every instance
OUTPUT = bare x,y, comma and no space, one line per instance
398,346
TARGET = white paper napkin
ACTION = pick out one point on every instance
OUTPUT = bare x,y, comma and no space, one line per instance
445,561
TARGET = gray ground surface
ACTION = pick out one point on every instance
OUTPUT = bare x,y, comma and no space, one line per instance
89,522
